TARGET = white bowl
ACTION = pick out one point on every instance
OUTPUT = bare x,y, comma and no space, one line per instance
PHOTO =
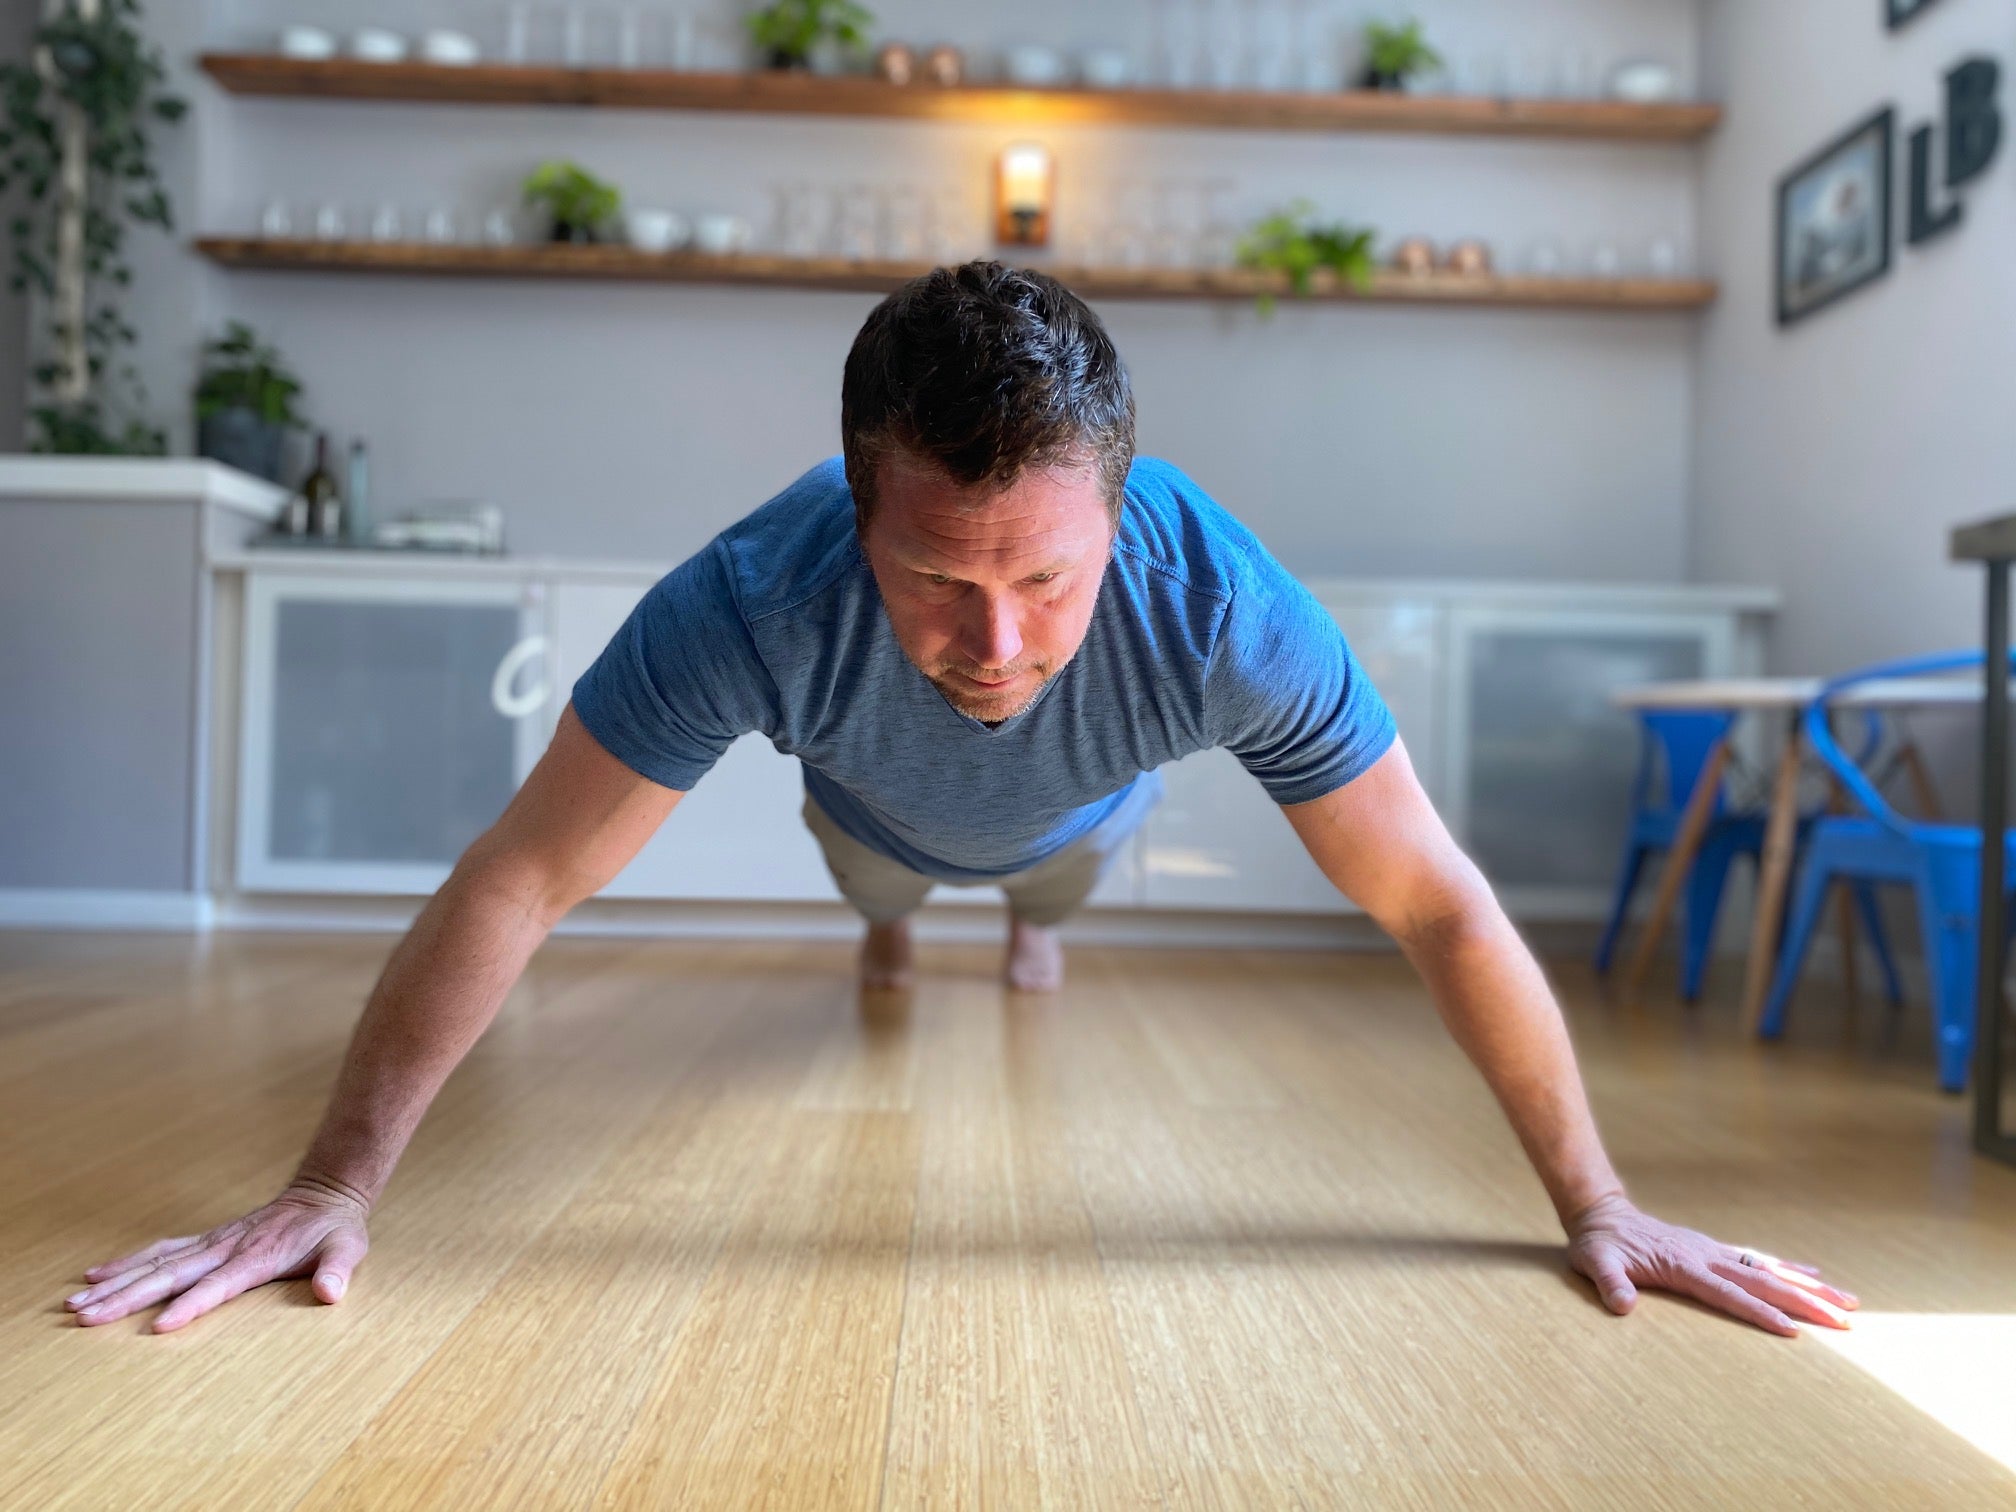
1106,68
656,230
374,44
449,47
1034,67
1645,83
719,235
307,42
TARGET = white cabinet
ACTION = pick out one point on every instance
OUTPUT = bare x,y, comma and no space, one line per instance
738,834
387,719
385,726
1504,708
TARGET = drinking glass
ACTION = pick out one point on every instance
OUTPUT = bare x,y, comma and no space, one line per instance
439,227
329,224
948,230
903,232
1605,261
1224,45
386,223
276,220
1129,233
1218,238
500,226
518,32
1178,42
855,223
1270,32
1545,259
1178,237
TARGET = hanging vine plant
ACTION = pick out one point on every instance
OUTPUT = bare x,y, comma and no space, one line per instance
76,166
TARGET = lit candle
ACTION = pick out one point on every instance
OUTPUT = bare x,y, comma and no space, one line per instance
1023,181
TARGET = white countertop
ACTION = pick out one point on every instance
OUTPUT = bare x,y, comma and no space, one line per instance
146,480
340,562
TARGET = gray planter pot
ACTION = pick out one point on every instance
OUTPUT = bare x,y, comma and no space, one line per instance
239,438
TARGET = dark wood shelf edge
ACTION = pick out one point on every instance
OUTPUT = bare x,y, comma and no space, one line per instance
622,264
809,94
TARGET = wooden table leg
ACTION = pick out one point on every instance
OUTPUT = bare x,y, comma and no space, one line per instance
1921,783
1774,876
1679,862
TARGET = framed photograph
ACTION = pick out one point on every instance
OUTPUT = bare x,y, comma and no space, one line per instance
1897,12
1834,220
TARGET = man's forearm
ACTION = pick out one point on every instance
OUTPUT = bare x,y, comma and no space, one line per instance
438,993
1492,995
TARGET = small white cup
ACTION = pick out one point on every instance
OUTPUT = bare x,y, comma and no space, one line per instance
307,42
374,44
451,48
657,230
718,234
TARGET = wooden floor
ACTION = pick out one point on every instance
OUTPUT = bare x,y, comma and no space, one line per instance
692,1229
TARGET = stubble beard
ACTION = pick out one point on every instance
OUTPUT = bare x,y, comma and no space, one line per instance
990,708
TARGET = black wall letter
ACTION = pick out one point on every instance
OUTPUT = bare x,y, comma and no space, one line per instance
1973,119
1926,222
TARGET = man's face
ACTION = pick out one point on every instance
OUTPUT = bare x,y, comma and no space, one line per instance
989,591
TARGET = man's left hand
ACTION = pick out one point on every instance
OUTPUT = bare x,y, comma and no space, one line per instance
1622,1249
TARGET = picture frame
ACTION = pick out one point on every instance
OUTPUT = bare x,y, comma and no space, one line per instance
1903,12
1836,219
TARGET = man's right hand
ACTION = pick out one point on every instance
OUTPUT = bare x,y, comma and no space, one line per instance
308,1228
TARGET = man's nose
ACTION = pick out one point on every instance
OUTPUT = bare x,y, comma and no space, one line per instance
994,638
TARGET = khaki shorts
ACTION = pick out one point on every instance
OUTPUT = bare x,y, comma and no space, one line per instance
883,891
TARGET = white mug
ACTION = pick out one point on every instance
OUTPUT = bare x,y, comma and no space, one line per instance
374,44
720,234
307,42
656,230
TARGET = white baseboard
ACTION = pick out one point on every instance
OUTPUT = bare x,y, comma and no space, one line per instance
103,908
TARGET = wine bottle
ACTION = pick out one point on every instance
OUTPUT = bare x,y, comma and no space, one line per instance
325,503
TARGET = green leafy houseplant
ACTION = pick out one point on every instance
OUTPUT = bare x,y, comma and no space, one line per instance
579,204
1293,243
245,403
76,158
789,31
1394,54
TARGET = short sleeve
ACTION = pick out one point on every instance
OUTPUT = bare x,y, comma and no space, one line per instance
1287,697
681,681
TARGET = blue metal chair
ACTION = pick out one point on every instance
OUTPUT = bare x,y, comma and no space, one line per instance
1680,742
1941,863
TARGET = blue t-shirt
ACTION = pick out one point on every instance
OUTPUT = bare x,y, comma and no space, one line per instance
1199,638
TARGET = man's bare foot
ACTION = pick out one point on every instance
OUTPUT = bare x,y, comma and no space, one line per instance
886,958
1035,958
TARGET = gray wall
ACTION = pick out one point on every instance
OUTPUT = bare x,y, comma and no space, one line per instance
1832,458
636,421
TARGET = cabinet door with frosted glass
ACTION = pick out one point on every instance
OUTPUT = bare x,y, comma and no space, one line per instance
1218,842
386,724
1539,762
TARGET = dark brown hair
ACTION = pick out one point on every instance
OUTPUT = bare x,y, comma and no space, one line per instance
985,371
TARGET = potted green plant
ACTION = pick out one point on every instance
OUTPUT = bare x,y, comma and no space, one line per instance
245,403
74,144
578,205
1395,54
798,33
1292,243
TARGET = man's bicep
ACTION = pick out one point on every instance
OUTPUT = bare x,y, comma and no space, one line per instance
578,820
1380,841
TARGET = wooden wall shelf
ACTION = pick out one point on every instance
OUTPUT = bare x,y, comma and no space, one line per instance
766,271
809,94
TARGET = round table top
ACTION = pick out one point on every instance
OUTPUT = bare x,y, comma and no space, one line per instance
1790,693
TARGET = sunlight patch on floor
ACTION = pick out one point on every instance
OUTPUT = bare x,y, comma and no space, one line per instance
1959,1369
